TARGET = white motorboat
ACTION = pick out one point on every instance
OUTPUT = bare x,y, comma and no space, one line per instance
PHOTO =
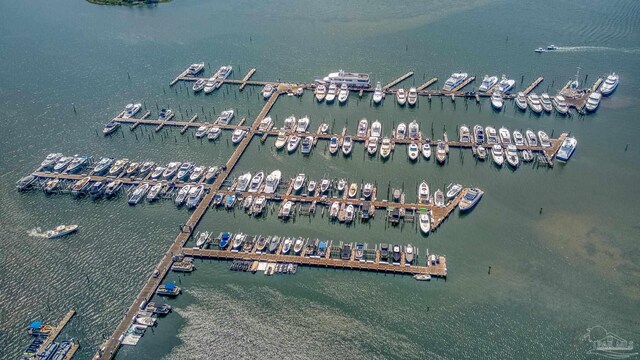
306,145
496,100
363,126
197,173
492,135
376,129
349,212
342,183
243,182
423,192
347,145
333,145
157,172
184,171
324,185
139,193
505,136
256,182
303,124
281,140
130,110
505,84
210,85
154,192
455,80
412,96
298,183
425,222
372,145
465,134
426,149
201,131
116,168
552,47
441,152
488,83
343,95
593,101
478,134
165,114
238,135
560,104
401,131
527,155
324,128
385,148
378,94
61,231
531,138
199,85
413,151
311,187
195,68
470,199
331,93
268,90
211,174
539,50
545,101
110,127
214,133
292,144
290,123
518,139
195,196
225,117
512,156
610,84
353,80
521,101
414,130
202,239
497,154
272,182
481,153
101,167
401,96
50,161
334,210
544,139
265,124
223,72
534,103
453,190
321,92
353,190
567,148
438,198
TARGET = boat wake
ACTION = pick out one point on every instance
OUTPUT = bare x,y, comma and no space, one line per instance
37,232
595,49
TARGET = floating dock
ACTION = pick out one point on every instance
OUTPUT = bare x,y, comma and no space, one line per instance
53,335
397,81
426,84
533,85
246,78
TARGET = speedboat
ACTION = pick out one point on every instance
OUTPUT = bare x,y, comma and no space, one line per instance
470,199
349,212
303,125
342,183
544,139
256,182
171,170
488,83
426,149
201,131
378,94
78,162
182,195
496,100
324,128
518,139
321,92
333,145
539,50
412,96
311,187
157,172
531,138
438,198
343,95
497,154
61,231
334,210
347,145
197,173
203,238
331,93
184,171
408,254
230,201
505,136
414,130
110,127
521,101
238,240
146,167
25,183
478,134
492,135
412,151
49,186
213,133
534,103
372,146
286,245
225,238
265,124
396,253
224,72
453,190
272,182
238,135
307,144
423,192
455,80
102,166
293,143
545,101
560,104
481,153
211,174
425,222
505,84
353,190
567,148
385,148
139,193
512,156
112,188
130,110
324,185
367,190
210,85
401,131
465,134
593,101
267,91
194,69
610,84
285,211
552,47
441,152
298,183
363,126
199,85
274,243
225,117
153,193
401,96
50,161
195,195
281,140
243,182
132,169
376,129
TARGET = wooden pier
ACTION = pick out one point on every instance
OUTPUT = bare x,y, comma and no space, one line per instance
136,123
427,84
246,78
397,81
56,331
533,85
184,128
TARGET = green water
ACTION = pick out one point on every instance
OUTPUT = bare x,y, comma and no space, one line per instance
553,274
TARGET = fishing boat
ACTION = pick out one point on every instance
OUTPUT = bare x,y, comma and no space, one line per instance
77,164
201,131
331,93
157,172
199,85
102,166
281,140
333,145
363,126
534,103
181,197
488,82
195,196
378,94
292,144
401,96
470,199
110,127
505,84
349,213
324,185
367,190
203,239
343,94
560,104
230,201
171,170
425,221
81,186
302,125
481,153
265,124
347,145
298,183
567,148
376,129
545,101
132,169
306,145
112,188
521,101
496,100
50,161
505,136
610,84
412,151
285,211
438,198
512,156
272,182
286,245
139,193
184,171
544,139
593,101
61,231
256,182
426,149
408,254
238,135
492,135
532,140
353,190
497,154
243,182
478,134
321,92
441,152
342,183
453,190
385,148
396,253
225,117
412,96
465,134
169,289
267,91
423,192
372,146
154,192
50,185
97,189
454,81
130,110
334,210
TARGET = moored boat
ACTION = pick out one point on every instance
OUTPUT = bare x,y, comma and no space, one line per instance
567,148
378,94
139,193
412,96
281,140
497,154
347,145
413,151
512,156
521,101
425,221
560,104
593,101
110,127
454,80
545,102
470,199
610,84
238,135
496,100
488,82
401,96
534,103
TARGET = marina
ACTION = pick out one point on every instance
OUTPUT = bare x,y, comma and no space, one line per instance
48,347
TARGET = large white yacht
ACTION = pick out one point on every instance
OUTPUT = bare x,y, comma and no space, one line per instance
567,148
353,80
505,84
610,84
593,101
455,80
488,83
331,93
378,94
272,181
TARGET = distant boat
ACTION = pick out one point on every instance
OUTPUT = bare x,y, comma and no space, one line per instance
61,231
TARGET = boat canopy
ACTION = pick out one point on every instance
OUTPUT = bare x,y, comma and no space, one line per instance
170,286
35,325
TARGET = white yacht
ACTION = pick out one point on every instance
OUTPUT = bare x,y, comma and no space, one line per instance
401,131
385,148
272,182
333,145
497,154
593,101
505,136
534,103
478,134
378,94
197,173
181,197
401,96
303,124
414,130
423,192
453,190
521,101
331,93
496,100
210,85
298,183
453,81
353,80
610,84
243,182
465,134
213,133
292,144
413,151
531,138
61,231
545,101
321,92
363,126
441,152
567,148
560,104
199,85
518,139
238,135
50,161
425,222
201,131
426,149
130,110
267,91
372,145
347,145
470,199
256,182
225,117
512,156
488,83
289,123
376,129
505,84
544,139
343,94
265,124
412,96
281,140
492,135
194,69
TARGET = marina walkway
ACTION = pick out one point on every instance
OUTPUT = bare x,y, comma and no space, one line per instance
56,331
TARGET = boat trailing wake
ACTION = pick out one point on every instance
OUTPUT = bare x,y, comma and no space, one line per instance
37,232
595,49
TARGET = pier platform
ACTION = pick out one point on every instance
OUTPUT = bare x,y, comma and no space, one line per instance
53,335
